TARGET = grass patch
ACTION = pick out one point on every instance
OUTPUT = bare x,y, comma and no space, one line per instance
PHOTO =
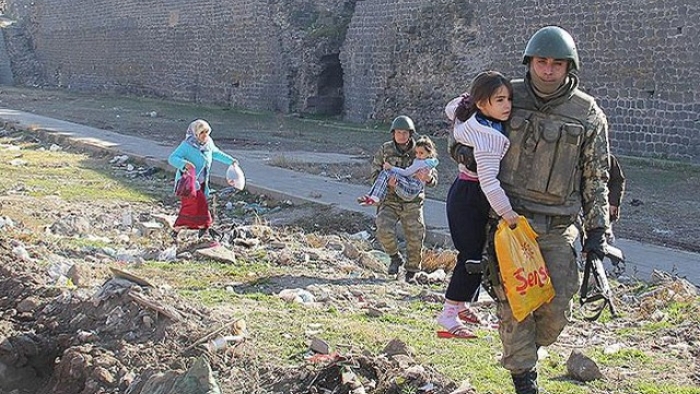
626,357
201,275
84,243
684,312
39,172
661,164
663,388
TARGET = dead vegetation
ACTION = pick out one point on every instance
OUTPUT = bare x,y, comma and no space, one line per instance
97,298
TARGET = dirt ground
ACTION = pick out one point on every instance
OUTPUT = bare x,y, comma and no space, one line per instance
659,207
96,297
96,328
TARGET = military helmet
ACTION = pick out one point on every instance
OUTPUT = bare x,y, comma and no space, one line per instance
403,122
554,42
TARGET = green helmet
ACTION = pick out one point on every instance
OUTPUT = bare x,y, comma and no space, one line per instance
403,122
554,42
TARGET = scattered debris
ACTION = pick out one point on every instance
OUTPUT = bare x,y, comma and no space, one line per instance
76,319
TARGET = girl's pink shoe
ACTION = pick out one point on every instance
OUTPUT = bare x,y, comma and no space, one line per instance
365,201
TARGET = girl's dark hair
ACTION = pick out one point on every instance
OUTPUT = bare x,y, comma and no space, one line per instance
482,88
428,145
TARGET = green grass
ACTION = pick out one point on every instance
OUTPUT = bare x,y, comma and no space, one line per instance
84,243
202,274
70,176
660,164
280,331
663,174
663,388
208,297
474,360
626,357
680,312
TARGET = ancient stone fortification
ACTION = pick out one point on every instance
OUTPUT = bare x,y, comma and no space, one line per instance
368,59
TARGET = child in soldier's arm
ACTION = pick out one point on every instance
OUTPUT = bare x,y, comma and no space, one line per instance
408,186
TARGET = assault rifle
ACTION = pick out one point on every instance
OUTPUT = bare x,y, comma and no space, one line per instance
594,300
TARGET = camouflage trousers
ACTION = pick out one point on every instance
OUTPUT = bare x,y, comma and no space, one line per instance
389,214
541,328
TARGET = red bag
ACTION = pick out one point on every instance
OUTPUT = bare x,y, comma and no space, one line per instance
186,186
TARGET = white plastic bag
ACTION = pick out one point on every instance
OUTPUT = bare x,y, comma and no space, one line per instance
235,176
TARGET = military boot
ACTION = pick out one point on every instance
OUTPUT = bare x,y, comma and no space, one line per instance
396,262
526,382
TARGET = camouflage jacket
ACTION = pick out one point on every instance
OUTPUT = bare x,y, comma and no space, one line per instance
558,160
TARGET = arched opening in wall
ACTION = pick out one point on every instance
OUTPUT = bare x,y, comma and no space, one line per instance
329,88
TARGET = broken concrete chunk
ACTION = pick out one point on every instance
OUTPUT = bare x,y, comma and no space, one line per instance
149,228
218,253
582,368
319,346
396,346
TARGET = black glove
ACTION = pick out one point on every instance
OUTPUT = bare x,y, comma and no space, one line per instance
464,155
595,242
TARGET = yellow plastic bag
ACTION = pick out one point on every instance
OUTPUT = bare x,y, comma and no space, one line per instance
525,277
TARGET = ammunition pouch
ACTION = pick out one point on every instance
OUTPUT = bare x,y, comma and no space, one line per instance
542,166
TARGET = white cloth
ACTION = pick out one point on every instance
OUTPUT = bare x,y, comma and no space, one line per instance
451,108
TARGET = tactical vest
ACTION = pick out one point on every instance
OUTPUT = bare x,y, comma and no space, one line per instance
541,172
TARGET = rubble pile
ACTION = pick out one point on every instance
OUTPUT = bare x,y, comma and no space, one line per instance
75,318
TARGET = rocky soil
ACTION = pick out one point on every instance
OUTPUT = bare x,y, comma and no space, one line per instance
75,319
92,302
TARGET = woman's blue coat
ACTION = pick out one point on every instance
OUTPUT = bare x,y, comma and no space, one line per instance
187,153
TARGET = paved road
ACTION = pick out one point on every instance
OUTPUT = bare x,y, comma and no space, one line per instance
285,184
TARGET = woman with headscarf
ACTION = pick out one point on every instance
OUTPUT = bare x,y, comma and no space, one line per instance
196,151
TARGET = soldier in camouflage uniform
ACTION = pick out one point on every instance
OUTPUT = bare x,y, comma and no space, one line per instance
399,152
557,165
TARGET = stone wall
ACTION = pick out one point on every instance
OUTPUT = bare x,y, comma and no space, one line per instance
640,58
407,57
242,53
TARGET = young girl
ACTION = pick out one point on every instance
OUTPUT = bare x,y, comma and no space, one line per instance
407,185
196,151
478,125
